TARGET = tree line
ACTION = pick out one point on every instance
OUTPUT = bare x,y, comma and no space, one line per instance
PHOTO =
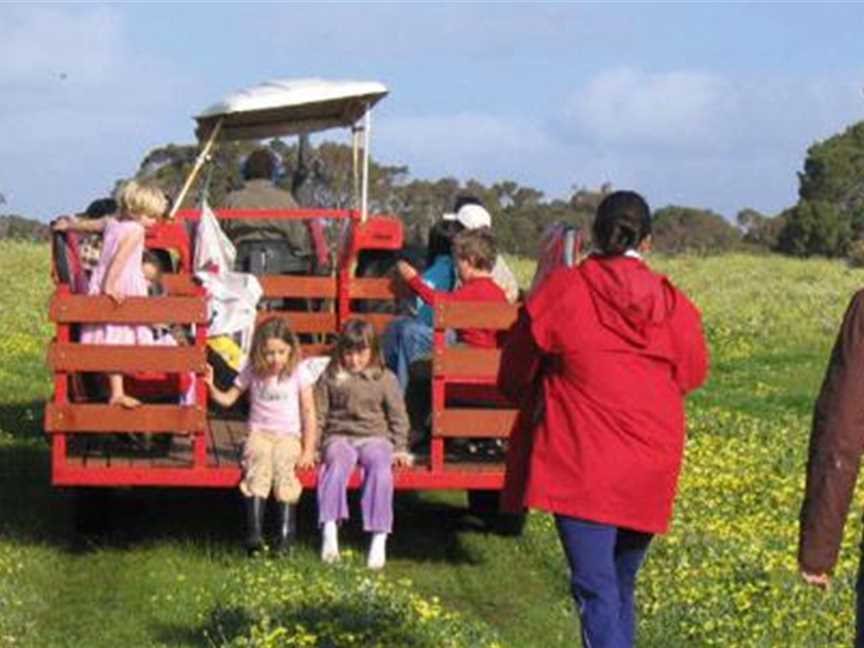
827,220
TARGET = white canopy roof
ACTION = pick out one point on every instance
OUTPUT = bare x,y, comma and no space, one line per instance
290,106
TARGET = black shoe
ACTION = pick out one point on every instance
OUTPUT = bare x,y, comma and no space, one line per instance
254,524
286,529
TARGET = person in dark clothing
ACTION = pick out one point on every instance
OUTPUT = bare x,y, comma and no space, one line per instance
834,457
266,245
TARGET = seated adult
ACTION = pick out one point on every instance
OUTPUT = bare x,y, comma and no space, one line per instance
469,213
269,245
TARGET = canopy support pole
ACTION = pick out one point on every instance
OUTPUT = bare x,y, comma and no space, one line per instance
367,126
199,162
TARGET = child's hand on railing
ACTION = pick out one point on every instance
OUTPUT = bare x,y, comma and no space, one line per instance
403,459
307,459
116,296
405,270
61,224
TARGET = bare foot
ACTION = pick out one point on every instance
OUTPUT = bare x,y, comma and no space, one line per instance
125,401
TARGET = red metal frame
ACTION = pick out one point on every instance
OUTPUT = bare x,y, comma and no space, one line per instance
377,232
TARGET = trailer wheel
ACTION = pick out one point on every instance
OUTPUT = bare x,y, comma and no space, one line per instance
484,504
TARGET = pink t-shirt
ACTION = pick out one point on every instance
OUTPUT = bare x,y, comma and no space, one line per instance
275,404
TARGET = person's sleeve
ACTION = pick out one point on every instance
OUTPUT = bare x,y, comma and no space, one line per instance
506,280
322,405
691,351
520,359
394,410
423,291
244,378
836,445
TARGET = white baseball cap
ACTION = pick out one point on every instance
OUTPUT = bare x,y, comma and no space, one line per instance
471,216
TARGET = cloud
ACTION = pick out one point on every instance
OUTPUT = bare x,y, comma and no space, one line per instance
702,113
84,104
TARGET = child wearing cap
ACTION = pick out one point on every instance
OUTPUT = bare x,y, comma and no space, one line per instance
474,253
471,215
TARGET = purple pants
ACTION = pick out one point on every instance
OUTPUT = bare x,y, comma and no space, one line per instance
375,456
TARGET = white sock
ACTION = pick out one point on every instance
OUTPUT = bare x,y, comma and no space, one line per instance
330,543
377,551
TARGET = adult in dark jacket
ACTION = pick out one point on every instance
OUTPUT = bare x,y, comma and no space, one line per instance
283,244
836,445
600,360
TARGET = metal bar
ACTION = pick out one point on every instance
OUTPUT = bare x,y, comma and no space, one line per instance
367,127
199,162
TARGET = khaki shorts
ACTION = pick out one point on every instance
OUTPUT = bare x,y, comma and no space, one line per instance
269,462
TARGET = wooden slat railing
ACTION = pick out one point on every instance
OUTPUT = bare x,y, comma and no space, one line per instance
125,359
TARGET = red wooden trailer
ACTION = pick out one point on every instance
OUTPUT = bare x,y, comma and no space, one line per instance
204,451
184,446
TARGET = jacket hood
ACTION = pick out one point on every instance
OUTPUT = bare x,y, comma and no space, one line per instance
630,299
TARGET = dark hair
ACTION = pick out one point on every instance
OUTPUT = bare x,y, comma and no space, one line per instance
465,199
441,239
259,164
623,221
100,207
477,246
356,335
274,327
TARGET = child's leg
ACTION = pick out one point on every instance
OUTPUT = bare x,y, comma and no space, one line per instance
376,458
118,394
257,467
340,457
286,489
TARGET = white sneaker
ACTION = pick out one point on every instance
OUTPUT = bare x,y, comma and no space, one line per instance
377,551
330,543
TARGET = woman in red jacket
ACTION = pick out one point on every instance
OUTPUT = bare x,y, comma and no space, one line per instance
610,349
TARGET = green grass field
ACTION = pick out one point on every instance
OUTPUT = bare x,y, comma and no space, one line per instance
170,571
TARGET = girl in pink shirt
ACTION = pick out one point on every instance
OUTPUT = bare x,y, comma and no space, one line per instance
282,412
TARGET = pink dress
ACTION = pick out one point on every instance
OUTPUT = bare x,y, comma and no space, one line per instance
131,284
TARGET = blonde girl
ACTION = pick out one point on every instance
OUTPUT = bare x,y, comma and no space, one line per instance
118,273
364,421
282,428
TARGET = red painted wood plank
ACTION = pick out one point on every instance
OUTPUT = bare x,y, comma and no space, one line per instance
134,310
473,423
100,419
124,358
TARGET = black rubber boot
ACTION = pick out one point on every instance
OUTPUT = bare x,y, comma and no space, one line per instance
254,524
286,530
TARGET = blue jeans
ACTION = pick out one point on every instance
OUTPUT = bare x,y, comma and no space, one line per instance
603,562
404,341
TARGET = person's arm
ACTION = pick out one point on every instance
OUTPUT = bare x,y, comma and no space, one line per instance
834,455
224,398
506,280
691,367
520,360
414,281
118,262
322,404
310,427
75,224
397,419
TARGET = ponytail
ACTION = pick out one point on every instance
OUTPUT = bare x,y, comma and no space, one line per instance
623,221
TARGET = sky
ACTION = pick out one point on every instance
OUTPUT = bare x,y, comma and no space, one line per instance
705,105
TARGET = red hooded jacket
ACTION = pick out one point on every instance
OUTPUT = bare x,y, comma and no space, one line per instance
600,360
